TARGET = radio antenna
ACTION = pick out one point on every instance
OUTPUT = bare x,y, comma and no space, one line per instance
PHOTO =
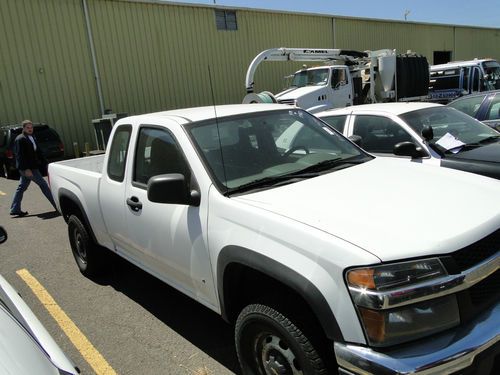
217,126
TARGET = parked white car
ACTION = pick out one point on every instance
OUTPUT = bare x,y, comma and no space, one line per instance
423,132
26,348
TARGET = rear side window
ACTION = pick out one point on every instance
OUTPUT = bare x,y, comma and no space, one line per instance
118,153
337,122
469,106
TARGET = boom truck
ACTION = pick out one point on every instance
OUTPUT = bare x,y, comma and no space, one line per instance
347,78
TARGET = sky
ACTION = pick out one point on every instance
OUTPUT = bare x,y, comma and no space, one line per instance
456,12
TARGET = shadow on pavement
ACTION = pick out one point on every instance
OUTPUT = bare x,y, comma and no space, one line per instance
196,323
48,215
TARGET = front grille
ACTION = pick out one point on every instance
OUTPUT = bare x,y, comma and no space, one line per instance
475,253
486,291
287,101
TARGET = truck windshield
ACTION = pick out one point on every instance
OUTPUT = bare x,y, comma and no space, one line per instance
492,74
271,146
445,120
310,77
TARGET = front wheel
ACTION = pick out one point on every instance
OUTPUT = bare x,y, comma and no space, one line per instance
268,343
89,256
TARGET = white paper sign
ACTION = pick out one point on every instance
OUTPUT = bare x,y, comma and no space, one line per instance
450,143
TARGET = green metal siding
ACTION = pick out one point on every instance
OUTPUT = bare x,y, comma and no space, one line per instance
154,56
402,36
45,70
480,43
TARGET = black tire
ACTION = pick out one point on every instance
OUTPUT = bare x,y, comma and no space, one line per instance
89,257
8,173
268,343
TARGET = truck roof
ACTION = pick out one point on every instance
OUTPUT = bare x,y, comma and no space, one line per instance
394,108
195,114
457,64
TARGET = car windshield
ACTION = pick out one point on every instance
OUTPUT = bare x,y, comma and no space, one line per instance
311,77
492,74
446,121
264,149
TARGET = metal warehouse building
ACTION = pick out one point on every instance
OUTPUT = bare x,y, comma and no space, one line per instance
65,62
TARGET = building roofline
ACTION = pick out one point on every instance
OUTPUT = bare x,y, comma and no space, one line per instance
196,5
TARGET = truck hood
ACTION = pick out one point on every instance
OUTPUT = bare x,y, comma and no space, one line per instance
299,92
391,208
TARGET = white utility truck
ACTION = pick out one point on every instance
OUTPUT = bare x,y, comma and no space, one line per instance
345,78
325,258
458,78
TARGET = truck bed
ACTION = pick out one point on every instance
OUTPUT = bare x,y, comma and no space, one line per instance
90,164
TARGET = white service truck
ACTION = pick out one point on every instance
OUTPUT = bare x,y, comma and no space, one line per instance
345,78
325,258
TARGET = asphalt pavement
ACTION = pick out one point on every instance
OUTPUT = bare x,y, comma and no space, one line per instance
138,324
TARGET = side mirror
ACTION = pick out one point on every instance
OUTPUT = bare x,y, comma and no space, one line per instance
172,188
408,149
427,133
3,235
356,139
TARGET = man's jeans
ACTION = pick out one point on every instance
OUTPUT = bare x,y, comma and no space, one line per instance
24,182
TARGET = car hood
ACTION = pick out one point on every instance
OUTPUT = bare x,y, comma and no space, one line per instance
25,345
19,353
391,208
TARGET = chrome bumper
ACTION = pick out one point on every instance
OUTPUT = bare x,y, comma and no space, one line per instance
442,354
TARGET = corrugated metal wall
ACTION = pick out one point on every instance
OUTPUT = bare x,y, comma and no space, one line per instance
45,70
402,36
155,56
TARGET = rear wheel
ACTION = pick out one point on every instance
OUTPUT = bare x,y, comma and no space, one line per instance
89,257
269,343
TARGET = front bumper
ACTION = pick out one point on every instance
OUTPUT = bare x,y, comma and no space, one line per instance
444,353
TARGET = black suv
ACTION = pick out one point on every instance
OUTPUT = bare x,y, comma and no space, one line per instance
47,139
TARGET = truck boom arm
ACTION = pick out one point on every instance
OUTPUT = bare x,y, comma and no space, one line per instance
347,57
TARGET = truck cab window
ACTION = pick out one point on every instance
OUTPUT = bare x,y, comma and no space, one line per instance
118,153
157,153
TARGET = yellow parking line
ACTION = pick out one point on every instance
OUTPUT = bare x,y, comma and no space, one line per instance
89,353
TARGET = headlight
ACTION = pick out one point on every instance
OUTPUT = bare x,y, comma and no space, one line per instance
383,297
393,276
390,327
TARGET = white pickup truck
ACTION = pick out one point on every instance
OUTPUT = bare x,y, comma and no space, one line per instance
325,258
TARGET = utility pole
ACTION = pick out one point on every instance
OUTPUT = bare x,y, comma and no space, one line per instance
407,12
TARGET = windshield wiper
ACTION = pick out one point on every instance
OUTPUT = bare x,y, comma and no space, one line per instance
336,164
270,181
489,139
482,142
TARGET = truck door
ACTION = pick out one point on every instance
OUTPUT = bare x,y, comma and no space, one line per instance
166,239
342,89
112,187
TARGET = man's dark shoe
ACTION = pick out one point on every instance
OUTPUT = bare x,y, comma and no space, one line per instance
20,213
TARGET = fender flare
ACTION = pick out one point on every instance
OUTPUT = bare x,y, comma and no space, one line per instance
65,193
295,281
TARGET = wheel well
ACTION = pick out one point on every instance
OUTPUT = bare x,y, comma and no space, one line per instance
244,285
70,207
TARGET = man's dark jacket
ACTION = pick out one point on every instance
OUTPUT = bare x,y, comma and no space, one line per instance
26,156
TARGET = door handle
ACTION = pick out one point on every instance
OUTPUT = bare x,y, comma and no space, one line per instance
134,204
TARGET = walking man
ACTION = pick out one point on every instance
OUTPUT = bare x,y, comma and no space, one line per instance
29,159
